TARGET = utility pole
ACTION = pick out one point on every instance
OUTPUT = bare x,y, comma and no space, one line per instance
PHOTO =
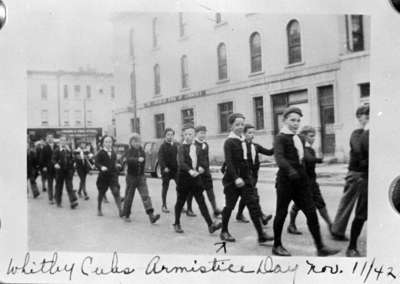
84,117
135,125
58,99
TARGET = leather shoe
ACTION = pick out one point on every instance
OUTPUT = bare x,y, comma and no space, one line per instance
154,217
352,252
242,219
164,209
177,228
266,219
280,251
265,238
326,251
74,204
340,238
225,236
292,229
190,213
214,227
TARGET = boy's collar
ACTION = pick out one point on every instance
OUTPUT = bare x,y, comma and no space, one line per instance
285,130
235,136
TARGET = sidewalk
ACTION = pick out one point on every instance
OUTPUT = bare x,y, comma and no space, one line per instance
327,174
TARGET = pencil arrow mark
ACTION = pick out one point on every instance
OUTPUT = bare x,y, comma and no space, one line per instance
223,246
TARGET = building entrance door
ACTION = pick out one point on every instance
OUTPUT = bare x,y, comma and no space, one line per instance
327,118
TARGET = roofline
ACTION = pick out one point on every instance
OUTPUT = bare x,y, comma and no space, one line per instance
65,72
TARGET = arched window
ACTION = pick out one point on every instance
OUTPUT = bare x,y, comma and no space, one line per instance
155,32
255,52
157,88
184,72
222,62
294,41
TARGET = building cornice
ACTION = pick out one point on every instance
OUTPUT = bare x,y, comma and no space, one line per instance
60,73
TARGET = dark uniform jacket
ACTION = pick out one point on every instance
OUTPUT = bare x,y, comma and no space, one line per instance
286,155
203,159
46,156
82,164
103,159
132,155
310,160
32,163
64,158
167,156
357,163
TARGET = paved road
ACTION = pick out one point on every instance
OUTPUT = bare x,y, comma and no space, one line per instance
80,230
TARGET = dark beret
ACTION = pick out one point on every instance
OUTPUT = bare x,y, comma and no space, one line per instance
200,128
292,110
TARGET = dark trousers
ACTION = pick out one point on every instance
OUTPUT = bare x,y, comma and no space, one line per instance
242,203
43,176
32,182
207,184
350,194
139,183
64,176
187,185
49,177
298,191
166,178
319,201
103,183
82,173
248,194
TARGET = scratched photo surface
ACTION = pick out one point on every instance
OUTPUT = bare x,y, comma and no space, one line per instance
118,73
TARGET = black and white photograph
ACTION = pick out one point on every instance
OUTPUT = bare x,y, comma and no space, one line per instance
171,132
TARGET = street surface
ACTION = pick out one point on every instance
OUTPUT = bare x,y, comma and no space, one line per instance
81,230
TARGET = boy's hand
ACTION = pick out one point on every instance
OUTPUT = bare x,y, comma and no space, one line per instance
166,170
103,169
193,173
44,169
239,182
201,170
141,159
57,166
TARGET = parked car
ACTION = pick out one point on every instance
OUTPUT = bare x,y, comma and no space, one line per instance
120,149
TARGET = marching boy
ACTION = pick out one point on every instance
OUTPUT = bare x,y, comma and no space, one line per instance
82,167
292,183
253,151
63,161
238,180
310,160
189,180
47,165
135,179
106,162
204,162
167,160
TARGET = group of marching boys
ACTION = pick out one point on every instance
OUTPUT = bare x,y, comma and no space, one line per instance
188,164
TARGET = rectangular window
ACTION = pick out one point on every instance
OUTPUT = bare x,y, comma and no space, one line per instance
135,125
77,91
65,91
88,92
78,117
225,109
45,117
182,25
66,117
188,116
259,112
89,117
355,32
159,124
112,92
43,90
364,90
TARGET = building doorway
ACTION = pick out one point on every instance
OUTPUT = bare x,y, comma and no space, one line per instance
327,118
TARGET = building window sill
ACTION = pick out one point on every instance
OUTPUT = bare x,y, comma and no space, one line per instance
253,74
223,81
296,64
221,24
156,96
354,54
155,48
250,14
183,38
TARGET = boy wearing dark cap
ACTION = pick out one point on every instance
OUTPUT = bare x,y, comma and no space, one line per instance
167,161
135,179
189,180
310,160
238,180
253,151
292,183
204,168
47,165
